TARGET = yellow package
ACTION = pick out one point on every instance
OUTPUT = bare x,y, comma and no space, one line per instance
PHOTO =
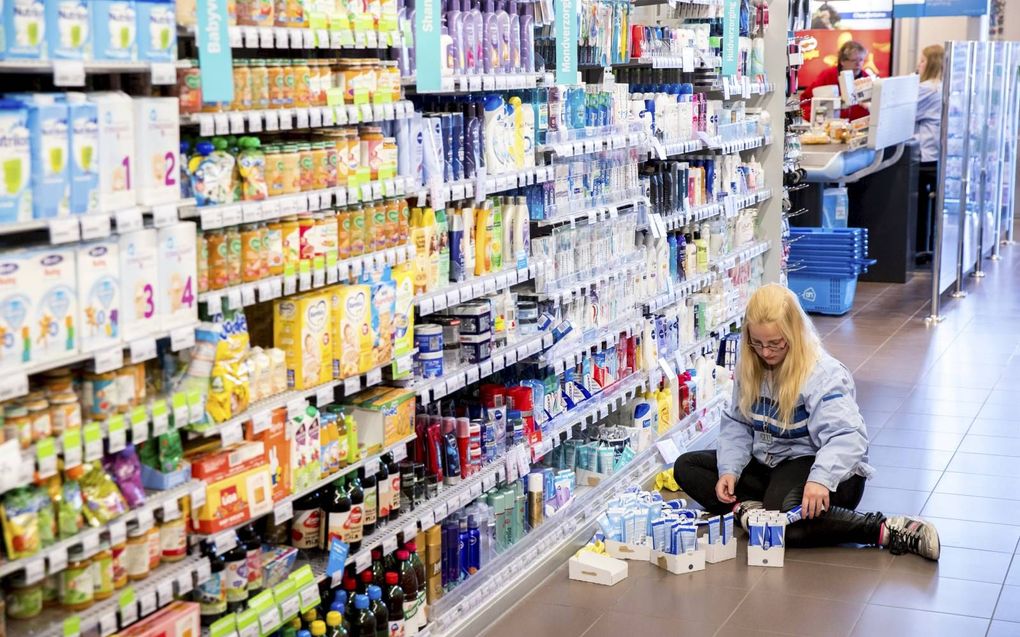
352,314
302,328
228,378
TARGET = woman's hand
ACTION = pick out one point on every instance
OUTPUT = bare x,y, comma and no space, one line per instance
816,500
725,487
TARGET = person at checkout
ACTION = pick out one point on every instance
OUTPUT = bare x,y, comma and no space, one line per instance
852,56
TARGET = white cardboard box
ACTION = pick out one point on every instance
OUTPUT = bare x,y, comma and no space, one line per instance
677,564
596,568
720,552
772,556
625,551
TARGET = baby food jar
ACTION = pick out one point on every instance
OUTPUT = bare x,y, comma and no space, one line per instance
39,415
274,170
65,412
291,168
259,84
120,576
277,84
242,86
216,241
302,81
77,590
173,540
251,253
202,264
136,555
17,425
233,241
23,601
154,547
306,167
102,572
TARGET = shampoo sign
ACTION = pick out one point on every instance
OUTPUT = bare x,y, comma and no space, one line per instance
214,58
566,41
731,37
428,50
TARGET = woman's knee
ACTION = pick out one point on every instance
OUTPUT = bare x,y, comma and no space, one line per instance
690,464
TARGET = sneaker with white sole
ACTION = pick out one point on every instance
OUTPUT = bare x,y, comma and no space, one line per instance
909,534
741,510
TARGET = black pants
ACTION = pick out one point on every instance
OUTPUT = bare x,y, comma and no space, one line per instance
781,488
927,185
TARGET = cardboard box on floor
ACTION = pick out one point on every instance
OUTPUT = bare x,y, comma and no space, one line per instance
595,568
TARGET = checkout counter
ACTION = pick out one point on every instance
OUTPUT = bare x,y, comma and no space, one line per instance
878,167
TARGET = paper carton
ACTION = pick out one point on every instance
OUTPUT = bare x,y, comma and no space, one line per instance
178,251
15,162
676,564
116,164
16,309
179,619
68,30
157,30
625,551
83,131
403,317
114,30
302,328
353,329
48,134
157,149
277,450
99,303
139,283
596,569
53,286
24,30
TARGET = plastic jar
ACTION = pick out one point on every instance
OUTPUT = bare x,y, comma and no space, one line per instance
17,425
259,84
51,591
320,166
242,86
136,555
189,89
302,82
332,162
23,601
277,84
77,590
173,540
39,416
154,547
233,241
251,253
306,167
343,234
274,170
102,572
120,576
289,82
273,245
290,168
216,240
202,265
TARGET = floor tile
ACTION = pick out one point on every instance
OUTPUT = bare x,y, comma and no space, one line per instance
969,534
1003,629
737,631
1013,576
824,581
915,439
929,422
903,478
544,619
924,392
1002,428
865,557
1000,411
977,485
957,563
559,589
940,407
892,501
1008,608
962,507
614,623
938,594
880,455
793,614
683,596
991,445
980,463
904,622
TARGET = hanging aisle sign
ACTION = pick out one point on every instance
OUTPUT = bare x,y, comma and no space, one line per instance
566,41
214,56
939,8
731,37
428,50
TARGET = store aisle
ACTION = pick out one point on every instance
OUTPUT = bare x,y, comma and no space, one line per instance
945,428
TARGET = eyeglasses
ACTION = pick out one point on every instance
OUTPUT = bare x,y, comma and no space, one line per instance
773,346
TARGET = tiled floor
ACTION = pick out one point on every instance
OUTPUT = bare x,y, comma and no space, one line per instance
944,421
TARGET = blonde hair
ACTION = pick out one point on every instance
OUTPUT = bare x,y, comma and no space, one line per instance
933,56
777,305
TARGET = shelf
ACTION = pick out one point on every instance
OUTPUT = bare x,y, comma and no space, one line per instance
284,509
98,225
711,337
295,401
597,140
72,73
738,88
431,389
680,292
688,63
239,212
243,295
456,608
734,257
457,84
14,380
740,145
471,289
297,38
597,408
568,353
168,582
672,149
730,205
296,118
593,212
566,290
675,3
53,558
493,184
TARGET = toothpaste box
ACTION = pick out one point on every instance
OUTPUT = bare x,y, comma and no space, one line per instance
15,309
178,254
24,30
139,284
83,129
99,294
68,30
48,144
157,150
157,30
114,28
53,284
116,164
15,162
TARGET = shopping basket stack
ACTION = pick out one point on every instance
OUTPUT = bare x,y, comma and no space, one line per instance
824,265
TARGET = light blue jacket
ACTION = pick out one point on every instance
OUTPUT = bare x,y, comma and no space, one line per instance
826,424
928,124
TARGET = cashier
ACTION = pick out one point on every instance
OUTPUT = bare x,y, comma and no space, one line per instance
852,56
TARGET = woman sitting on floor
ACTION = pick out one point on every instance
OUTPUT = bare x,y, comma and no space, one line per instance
793,435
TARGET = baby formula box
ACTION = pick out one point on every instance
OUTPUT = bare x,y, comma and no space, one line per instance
99,295
53,286
24,30
117,152
15,162
178,251
68,30
140,292
114,28
157,150
15,309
